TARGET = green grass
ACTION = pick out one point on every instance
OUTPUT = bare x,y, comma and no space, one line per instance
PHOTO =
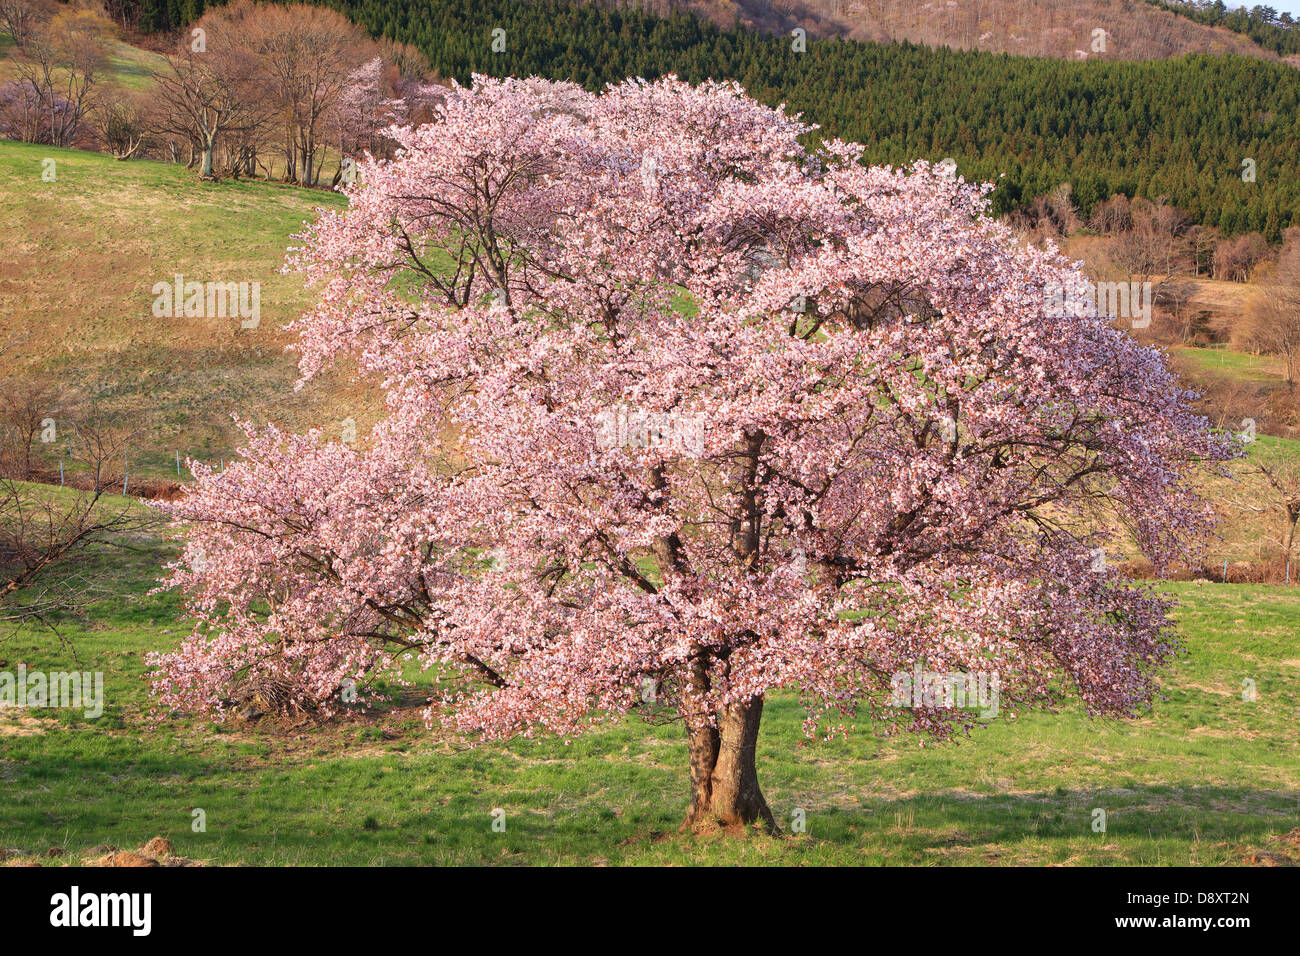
1200,780
1203,779
82,254
127,66
1244,534
131,66
1225,363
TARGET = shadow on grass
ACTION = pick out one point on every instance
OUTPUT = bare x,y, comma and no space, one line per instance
59,791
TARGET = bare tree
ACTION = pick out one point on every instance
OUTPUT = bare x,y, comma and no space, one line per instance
44,532
1201,243
1272,320
20,19
42,536
101,440
1234,259
28,408
1112,215
121,121
407,60
58,68
210,90
1153,249
306,54
1277,470
1175,297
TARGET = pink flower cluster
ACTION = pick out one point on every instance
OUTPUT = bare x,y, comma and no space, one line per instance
905,458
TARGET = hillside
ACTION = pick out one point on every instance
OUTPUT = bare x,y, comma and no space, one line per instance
1134,29
85,251
1180,128
1050,28
82,254
128,66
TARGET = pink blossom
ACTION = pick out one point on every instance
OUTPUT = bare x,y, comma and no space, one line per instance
906,457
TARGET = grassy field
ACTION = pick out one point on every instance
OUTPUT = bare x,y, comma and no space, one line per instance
82,254
1206,778
1225,363
127,66
1251,525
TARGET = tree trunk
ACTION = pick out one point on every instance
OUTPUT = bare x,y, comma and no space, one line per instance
205,161
724,778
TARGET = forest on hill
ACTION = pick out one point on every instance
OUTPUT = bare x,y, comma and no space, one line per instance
1271,29
1217,136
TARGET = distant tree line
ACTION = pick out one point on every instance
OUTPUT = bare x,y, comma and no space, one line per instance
1181,128
1265,25
286,91
1216,136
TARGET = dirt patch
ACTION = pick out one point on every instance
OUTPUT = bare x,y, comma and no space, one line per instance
150,488
22,725
156,852
1281,850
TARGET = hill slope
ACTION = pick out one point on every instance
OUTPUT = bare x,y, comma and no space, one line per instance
82,254
1182,128
1134,30
1178,128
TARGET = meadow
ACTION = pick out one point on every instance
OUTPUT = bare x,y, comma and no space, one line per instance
82,254
85,250
1206,778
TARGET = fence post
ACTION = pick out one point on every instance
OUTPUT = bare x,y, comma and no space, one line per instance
1225,570
60,472
178,462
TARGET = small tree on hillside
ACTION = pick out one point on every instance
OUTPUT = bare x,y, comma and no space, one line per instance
1236,258
121,120
1152,249
681,414
1272,319
1281,474
1274,472
45,533
28,408
44,538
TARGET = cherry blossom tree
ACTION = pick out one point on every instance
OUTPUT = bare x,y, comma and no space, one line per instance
375,97
680,412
